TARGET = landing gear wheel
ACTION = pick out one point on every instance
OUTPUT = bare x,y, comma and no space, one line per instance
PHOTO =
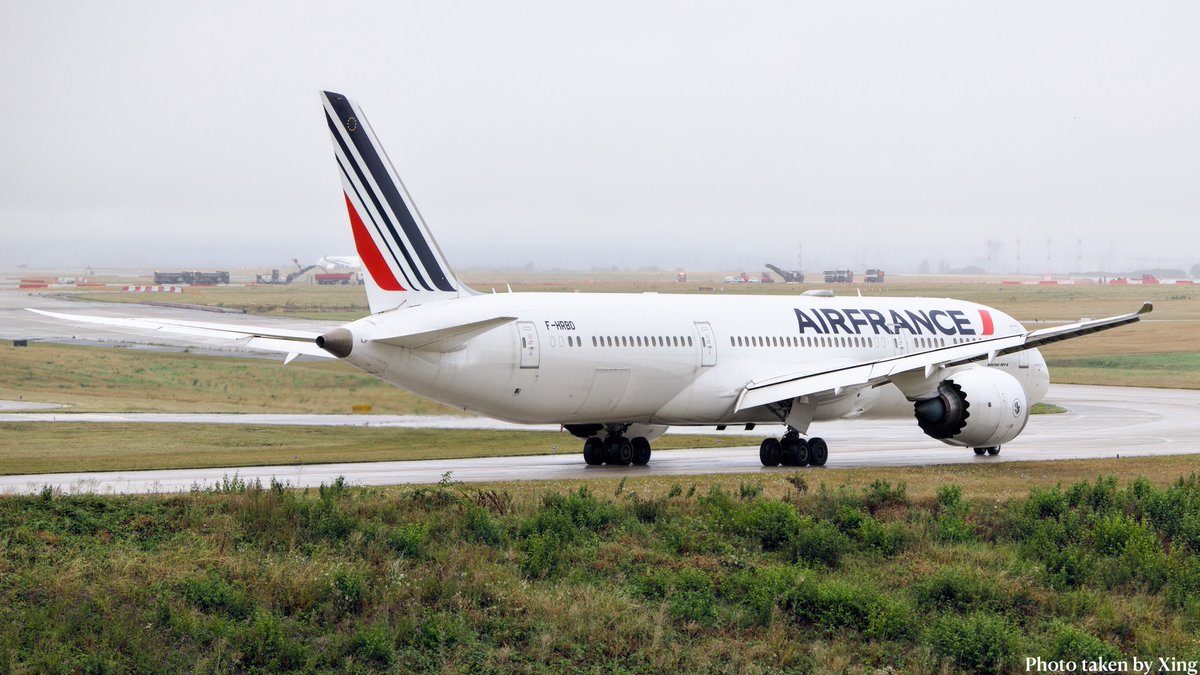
641,451
980,452
818,451
994,450
795,451
593,451
768,452
620,451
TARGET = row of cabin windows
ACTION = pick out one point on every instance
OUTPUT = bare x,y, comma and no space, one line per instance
792,341
641,341
739,341
840,341
561,341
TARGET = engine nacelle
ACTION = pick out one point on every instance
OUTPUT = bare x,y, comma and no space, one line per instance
975,408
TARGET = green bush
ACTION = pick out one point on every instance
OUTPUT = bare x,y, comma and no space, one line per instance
481,527
646,510
957,589
818,543
881,493
560,522
1045,503
849,518
1183,581
949,497
692,597
1069,643
758,591
409,540
214,593
374,645
888,540
541,556
268,645
834,605
772,523
982,642
347,591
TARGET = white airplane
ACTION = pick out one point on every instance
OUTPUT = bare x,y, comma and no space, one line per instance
616,370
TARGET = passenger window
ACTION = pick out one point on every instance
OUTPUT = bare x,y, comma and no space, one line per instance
689,340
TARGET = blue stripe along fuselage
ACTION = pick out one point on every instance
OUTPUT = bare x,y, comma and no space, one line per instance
829,321
387,187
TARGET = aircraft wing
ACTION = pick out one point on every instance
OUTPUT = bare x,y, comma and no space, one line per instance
283,340
874,373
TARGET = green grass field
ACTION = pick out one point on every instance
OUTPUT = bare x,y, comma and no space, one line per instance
907,570
80,446
126,380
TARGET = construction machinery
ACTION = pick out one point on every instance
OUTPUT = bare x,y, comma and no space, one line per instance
839,276
788,276
874,276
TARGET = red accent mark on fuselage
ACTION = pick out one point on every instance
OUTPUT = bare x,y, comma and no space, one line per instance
377,267
988,328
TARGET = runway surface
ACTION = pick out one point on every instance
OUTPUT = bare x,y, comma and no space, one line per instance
1103,422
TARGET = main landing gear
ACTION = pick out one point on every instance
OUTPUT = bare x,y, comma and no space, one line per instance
791,450
616,450
980,452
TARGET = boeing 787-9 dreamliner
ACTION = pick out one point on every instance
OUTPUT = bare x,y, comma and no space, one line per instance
616,370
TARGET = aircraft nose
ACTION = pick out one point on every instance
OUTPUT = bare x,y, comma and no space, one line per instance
339,342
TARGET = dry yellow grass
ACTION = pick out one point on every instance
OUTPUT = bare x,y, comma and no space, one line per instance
987,481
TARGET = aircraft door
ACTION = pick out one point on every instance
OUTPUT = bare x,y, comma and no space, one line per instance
708,344
531,355
1023,358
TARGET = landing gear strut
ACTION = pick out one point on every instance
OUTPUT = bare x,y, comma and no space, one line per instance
791,450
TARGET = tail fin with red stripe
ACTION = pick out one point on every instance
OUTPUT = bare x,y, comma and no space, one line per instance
403,262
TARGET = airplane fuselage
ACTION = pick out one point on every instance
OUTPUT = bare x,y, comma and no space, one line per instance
669,359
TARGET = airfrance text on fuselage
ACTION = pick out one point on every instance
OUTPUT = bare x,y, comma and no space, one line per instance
829,321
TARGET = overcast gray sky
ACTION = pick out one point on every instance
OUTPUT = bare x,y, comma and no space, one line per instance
679,134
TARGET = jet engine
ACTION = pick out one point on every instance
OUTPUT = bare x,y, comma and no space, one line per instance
975,408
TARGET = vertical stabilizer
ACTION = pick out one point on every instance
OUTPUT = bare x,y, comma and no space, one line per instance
404,265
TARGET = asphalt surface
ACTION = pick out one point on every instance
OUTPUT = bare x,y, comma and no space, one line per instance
1102,422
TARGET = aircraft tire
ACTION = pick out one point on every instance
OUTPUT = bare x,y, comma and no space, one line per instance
980,452
593,451
791,450
818,451
769,452
641,451
994,450
620,452
803,452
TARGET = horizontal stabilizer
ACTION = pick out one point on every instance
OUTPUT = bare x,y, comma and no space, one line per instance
445,339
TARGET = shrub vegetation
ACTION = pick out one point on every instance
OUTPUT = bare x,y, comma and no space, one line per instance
253,578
